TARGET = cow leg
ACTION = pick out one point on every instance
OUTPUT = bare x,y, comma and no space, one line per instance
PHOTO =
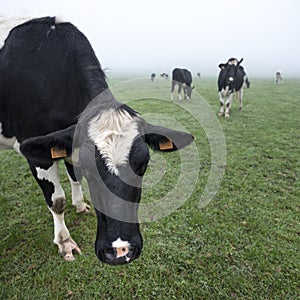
184,93
47,176
179,91
222,100
172,89
62,237
240,97
75,181
228,105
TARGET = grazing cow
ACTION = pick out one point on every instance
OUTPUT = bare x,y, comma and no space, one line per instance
49,75
278,77
152,76
183,78
164,75
231,79
199,74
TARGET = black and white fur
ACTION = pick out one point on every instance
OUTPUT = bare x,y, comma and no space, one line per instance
54,95
231,80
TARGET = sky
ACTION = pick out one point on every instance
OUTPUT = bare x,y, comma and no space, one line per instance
158,35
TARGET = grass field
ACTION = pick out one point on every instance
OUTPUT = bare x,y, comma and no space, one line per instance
244,244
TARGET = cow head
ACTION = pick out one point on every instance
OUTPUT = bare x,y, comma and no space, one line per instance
228,73
187,90
111,147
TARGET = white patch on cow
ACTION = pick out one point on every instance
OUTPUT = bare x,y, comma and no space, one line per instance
113,133
119,243
61,231
52,175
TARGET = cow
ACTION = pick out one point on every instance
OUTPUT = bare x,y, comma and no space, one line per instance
278,77
55,105
183,78
231,79
246,82
152,76
164,75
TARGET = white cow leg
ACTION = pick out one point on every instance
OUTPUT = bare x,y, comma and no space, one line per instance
221,112
62,237
228,105
179,91
48,179
77,195
240,97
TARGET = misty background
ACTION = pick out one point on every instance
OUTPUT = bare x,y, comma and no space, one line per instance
155,36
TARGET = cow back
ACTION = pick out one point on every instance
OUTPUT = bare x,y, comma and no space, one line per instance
49,73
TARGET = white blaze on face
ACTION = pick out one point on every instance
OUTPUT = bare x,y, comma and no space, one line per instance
122,247
113,133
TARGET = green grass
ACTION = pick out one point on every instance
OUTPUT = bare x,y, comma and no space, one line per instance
245,244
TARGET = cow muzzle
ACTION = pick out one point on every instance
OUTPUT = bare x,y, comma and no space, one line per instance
118,255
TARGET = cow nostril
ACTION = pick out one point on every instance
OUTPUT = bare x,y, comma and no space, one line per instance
122,251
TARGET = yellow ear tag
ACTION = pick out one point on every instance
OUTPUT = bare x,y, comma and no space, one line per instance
58,153
166,146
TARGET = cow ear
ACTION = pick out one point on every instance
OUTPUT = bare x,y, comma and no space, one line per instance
165,139
55,145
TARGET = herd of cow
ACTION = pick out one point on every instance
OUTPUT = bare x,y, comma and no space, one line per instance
55,104
232,79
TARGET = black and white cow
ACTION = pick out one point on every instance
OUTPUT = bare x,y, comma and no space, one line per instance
49,76
231,79
183,78
278,77
164,75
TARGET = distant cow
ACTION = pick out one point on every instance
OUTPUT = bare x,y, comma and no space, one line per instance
199,74
278,77
246,82
55,105
152,76
164,75
231,79
183,78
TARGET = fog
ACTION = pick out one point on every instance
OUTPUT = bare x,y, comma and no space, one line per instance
156,36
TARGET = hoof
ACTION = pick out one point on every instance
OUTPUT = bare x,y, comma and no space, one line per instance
240,108
66,249
227,116
220,114
82,208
